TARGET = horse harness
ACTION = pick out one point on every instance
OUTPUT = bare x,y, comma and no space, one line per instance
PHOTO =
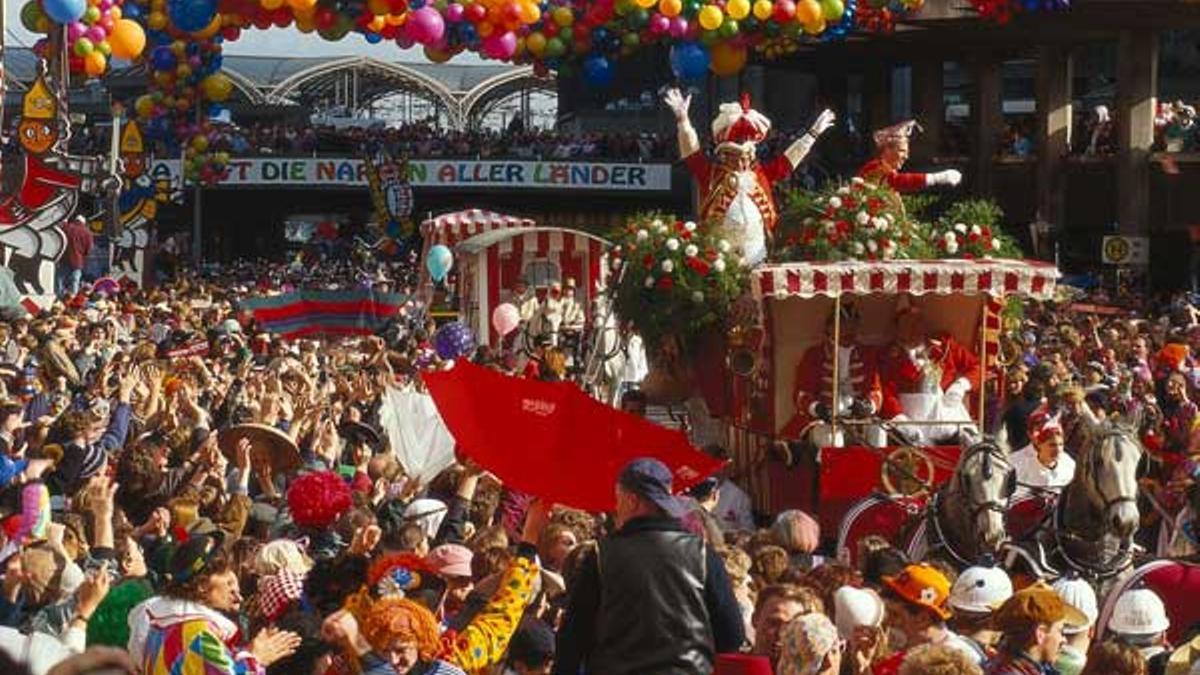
934,532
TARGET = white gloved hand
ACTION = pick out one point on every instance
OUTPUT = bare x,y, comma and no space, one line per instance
957,390
951,177
824,122
677,102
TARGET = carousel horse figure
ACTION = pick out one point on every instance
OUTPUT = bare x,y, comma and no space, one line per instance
962,523
1091,525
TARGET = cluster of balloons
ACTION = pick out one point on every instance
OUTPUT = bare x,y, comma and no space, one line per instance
1002,11
184,61
97,31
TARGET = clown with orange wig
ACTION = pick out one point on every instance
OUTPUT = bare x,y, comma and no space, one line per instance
735,188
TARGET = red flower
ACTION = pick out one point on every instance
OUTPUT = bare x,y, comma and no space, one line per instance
987,231
968,256
849,203
711,255
665,283
842,227
884,242
685,235
973,237
874,204
648,261
698,266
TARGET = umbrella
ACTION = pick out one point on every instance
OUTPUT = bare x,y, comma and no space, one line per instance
267,444
551,440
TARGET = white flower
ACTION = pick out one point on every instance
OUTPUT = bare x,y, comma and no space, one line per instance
829,226
949,237
879,223
690,250
672,244
656,223
872,246
857,247
835,202
976,230
668,266
857,181
843,191
960,228
649,281
952,247
809,221
862,218
660,226
995,244
890,217
719,264
642,235
689,226
723,246
697,296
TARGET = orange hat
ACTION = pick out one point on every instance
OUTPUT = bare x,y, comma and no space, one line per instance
1034,605
924,586
1173,355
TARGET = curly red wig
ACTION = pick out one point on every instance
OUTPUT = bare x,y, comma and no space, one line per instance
397,619
318,499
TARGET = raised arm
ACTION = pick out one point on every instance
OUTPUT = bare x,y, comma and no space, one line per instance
689,142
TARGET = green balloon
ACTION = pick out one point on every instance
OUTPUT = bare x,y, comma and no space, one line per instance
832,9
30,13
709,38
623,7
555,47
566,69
728,29
637,17
691,7
750,24
631,40
566,34
83,47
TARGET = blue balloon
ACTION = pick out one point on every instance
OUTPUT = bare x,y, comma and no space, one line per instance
131,11
439,262
191,15
64,11
162,58
373,38
599,72
689,61
453,340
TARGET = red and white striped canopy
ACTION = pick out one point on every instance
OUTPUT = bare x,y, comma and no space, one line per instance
916,277
451,228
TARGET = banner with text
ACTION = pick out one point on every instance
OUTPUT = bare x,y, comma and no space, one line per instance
303,172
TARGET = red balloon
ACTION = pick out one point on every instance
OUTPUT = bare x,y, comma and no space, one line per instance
784,10
281,17
262,21
398,6
231,33
324,17
476,12
549,29
389,33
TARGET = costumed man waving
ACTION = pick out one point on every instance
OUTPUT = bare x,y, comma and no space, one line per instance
892,146
859,394
735,188
929,375
31,218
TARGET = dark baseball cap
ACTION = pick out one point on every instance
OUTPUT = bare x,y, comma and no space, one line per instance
651,479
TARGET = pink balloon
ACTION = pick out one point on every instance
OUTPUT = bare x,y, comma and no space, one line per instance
505,319
96,34
500,46
659,24
679,27
75,30
454,12
425,25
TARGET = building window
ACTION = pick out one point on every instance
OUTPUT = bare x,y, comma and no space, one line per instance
542,273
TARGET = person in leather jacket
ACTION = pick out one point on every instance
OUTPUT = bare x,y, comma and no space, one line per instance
655,598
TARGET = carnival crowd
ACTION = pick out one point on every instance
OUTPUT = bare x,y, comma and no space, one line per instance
167,543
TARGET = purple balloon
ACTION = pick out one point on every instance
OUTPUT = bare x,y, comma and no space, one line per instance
659,24
453,340
454,12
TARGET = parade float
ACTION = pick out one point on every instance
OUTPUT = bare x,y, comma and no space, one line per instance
491,251
915,309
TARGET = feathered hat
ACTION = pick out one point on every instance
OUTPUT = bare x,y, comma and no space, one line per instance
739,123
896,132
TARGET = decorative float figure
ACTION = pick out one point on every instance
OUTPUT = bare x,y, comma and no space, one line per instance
892,148
137,208
735,188
31,218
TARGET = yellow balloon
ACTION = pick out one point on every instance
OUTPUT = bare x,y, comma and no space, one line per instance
737,9
216,87
536,44
763,9
530,12
395,19
157,20
115,13
127,39
646,4
271,5
303,4
711,17
144,105
815,27
305,23
377,24
209,30
200,143
670,8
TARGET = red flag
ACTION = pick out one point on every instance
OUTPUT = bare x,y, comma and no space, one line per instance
553,441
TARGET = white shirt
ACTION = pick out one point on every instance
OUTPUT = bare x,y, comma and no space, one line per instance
1031,472
733,510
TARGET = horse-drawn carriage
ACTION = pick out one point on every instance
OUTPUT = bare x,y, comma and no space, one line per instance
800,306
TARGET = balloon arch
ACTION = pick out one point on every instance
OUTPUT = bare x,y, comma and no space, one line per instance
180,41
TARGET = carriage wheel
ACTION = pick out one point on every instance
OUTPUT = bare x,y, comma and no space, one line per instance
907,471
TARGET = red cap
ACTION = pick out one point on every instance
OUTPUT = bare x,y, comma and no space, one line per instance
742,664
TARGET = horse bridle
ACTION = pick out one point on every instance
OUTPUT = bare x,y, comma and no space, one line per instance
1114,501
992,451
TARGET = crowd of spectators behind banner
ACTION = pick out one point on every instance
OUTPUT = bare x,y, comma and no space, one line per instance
168,546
